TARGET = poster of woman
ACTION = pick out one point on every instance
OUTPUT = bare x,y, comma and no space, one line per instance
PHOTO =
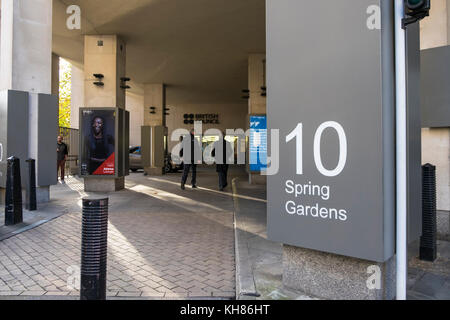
98,142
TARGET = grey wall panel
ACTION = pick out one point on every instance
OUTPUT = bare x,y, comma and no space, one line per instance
146,146
158,146
47,132
435,87
127,142
120,140
328,62
414,134
3,136
13,131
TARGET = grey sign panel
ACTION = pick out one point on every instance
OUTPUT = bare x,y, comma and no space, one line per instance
414,166
47,131
330,82
13,131
435,84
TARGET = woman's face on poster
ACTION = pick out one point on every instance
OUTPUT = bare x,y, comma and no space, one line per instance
98,125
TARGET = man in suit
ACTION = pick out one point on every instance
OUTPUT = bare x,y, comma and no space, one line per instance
191,154
223,155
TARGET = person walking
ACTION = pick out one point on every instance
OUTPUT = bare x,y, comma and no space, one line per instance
61,153
191,154
222,152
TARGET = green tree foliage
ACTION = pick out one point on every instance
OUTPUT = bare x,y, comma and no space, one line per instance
65,81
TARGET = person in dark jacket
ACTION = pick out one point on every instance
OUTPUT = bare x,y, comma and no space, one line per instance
61,153
191,154
223,155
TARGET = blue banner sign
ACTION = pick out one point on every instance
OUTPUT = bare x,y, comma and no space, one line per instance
258,143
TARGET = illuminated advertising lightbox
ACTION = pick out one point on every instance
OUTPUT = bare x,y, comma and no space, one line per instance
258,143
98,149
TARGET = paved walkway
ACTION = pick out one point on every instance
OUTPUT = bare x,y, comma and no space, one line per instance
165,243
162,243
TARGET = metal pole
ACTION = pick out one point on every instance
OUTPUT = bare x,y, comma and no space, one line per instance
428,247
400,89
30,203
13,193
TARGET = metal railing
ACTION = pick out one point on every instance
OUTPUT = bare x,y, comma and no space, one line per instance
71,139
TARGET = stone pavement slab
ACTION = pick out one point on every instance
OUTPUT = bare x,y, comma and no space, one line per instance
31,219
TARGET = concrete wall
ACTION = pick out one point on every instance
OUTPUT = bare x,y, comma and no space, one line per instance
436,141
436,150
434,28
231,116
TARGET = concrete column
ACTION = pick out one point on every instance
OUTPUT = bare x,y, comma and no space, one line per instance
135,105
331,276
0,39
104,54
77,95
55,75
154,101
256,80
154,96
26,45
26,65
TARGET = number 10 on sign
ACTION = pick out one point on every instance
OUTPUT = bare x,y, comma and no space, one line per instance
297,134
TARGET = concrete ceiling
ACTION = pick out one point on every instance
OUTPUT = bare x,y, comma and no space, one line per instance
199,48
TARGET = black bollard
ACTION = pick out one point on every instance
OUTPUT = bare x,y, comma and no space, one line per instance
428,247
13,201
30,203
94,249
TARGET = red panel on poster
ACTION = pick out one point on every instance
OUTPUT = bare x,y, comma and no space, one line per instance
107,167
